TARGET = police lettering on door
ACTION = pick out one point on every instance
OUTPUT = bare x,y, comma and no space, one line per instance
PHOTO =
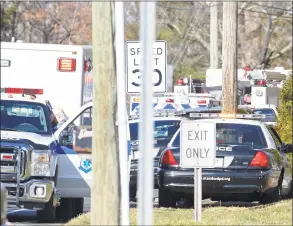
197,144
134,68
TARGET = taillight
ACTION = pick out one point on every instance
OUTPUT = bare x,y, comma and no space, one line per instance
260,160
66,64
169,159
169,100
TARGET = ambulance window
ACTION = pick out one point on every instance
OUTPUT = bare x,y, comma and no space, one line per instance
78,135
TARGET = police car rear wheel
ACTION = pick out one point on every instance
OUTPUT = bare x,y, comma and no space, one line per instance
167,199
275,196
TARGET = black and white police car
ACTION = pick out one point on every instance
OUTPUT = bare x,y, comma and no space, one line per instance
165,126
251,165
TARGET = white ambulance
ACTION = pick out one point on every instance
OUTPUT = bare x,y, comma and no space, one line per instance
62,73
42,166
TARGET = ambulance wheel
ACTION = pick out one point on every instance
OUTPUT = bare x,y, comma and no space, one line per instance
48,214
78,206
69,208
65,211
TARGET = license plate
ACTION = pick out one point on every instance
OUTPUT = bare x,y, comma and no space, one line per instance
219,163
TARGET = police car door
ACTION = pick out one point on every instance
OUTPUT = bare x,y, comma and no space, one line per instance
74,155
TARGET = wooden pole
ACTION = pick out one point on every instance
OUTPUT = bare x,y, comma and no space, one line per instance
229,58
105,190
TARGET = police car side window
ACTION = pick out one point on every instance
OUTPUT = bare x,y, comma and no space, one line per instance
277,139
276,135
176,141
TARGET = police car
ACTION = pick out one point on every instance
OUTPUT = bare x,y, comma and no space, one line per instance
251,164
165,127
33,161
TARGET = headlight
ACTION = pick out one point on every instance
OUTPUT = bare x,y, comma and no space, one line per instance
40,163
40,169
40,157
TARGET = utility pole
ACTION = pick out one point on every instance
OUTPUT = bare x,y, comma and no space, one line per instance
105,189
229,58
214,58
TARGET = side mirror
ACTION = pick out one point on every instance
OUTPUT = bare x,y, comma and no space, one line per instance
288,148
65,138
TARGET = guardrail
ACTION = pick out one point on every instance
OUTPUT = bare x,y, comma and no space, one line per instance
3,196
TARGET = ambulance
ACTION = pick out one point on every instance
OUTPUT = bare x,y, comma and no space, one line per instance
61,73
43,167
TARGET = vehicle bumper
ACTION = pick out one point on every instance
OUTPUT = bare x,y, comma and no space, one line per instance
27,193
134,181
220,183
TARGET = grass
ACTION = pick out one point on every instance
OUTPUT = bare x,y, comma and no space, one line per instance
275,214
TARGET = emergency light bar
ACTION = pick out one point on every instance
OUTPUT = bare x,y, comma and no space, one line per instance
22,91
235,116
202,95
157,114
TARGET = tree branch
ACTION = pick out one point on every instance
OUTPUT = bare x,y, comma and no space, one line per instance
197,37
284,50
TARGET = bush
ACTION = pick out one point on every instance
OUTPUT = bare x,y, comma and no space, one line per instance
284,125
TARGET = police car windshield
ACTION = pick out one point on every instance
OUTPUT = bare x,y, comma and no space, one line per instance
235,134
162,129
24,116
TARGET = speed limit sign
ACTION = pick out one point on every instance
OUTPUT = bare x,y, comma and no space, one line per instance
134,69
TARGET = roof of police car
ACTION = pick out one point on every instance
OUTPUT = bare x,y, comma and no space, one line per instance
19,97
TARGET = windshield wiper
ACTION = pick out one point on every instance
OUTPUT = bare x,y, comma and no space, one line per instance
9,129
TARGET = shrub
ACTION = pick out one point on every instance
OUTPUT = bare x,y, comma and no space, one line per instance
284,125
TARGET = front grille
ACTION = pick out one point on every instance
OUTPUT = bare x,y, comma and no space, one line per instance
12,191
8,169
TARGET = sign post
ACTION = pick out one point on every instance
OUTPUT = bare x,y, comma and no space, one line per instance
197,150
134,69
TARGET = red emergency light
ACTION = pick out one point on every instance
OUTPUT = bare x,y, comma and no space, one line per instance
261,82
66,64
24,91
180,82
201,101
169,100
7,157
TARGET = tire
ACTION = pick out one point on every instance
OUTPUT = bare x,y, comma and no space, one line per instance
272,197
132,193
48,214
66,210
78,206
167,199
